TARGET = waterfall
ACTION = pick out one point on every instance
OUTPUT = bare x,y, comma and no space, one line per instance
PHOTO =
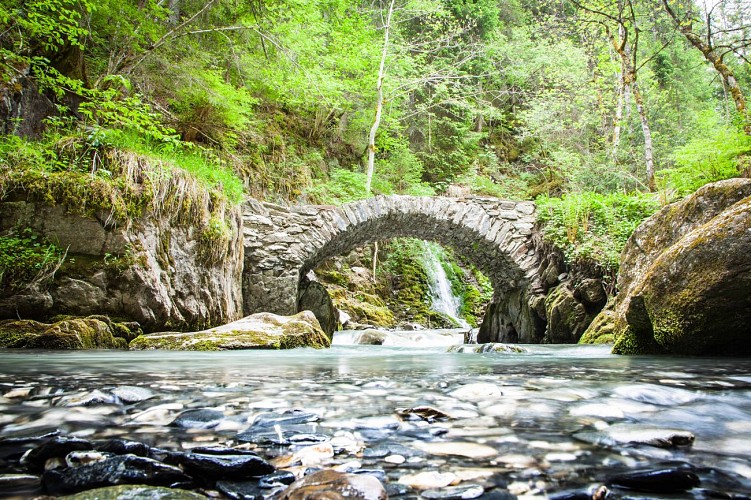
444,300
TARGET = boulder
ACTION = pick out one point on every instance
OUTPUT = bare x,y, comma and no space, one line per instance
76,333
257,331
315,298
685,277
567,317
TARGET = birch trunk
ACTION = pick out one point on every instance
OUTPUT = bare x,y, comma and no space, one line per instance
379,100
648,156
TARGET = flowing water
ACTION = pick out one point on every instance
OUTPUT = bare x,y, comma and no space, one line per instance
552,419
444,300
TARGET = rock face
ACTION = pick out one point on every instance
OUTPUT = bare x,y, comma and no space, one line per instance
151,271
315,298
258,331
685,277
79,333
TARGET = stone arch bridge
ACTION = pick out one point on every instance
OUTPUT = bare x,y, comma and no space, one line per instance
283,243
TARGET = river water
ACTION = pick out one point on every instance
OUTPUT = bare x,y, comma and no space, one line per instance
553,419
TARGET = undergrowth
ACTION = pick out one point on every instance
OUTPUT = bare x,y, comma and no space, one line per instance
27,260
593,227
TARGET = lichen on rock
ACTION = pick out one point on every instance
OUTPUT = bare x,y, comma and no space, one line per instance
94,332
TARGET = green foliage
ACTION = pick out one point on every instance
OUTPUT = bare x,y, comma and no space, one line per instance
27,260
592,227
721,152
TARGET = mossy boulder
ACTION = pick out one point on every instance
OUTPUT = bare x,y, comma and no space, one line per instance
314,297
257,331
685,278
75,333
567,317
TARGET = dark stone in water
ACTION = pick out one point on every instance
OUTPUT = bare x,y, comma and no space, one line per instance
291,434
427,413
286,418
125,469
278,478
223,466
397,489
380,474
222,450
198,419
672,480
18,484
123,447
14,446
58,446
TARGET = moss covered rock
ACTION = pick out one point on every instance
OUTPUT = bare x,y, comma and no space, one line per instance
75,333
685,278
257,331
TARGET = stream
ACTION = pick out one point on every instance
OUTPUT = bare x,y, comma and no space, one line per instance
552,422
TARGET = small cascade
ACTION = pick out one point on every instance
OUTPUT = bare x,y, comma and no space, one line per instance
444,300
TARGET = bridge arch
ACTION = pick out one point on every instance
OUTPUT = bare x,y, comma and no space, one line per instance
282,244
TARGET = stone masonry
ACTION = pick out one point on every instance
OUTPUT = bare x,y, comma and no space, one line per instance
283,243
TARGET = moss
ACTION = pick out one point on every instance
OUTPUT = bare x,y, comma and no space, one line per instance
88,333
601,330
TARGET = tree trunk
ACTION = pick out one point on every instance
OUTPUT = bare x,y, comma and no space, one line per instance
379,100
174,11
709,54
617,121
648,157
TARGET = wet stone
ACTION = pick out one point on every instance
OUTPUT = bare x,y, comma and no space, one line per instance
198,419
246,490
427,413
239,466
671,480
284,435
286,418
57,447
95,397
20,484
129,492
333,485
278,478
130,394
465,491
126,469
632,434
123,447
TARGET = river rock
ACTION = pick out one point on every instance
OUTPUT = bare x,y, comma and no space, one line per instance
82,333
489,347
222,465
129,394
684,277
457,448
567,317
314,297
125,469
56,447
257,331
480,391
136,493
333,485
20,484
634,434
203,418
428,480
465,491
671,480
123,447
